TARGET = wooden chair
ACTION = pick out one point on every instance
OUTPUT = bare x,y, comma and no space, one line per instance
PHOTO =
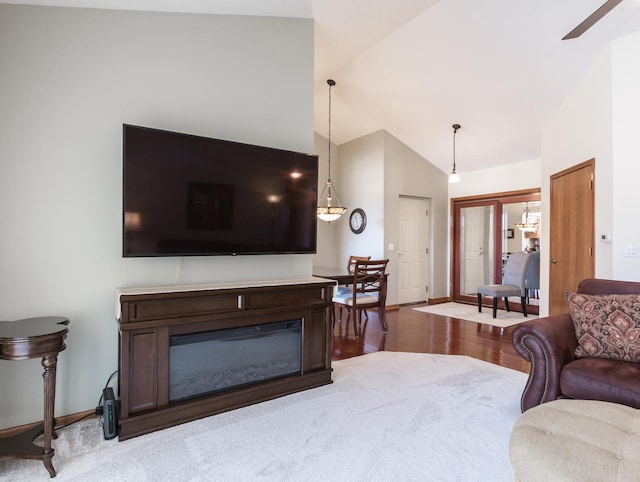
344,289
368,290
351,265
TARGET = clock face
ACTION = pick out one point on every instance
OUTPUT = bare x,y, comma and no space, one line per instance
357,221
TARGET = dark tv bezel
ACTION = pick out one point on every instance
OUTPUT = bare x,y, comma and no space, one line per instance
215,253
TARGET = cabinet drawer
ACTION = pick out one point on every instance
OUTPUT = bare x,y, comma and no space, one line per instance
153,309
284,297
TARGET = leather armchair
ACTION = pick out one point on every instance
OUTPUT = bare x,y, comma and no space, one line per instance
549,344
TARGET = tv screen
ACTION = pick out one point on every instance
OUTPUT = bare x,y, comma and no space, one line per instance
186,195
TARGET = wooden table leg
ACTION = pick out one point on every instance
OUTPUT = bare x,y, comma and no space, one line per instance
21,445
49,363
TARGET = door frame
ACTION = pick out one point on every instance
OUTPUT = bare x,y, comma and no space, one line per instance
492,199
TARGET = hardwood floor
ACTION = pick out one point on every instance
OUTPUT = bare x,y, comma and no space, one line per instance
414,331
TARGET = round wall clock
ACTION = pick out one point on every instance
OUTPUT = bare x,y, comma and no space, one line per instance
357,220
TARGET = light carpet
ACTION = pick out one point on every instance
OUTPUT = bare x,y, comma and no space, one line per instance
470,313
387,416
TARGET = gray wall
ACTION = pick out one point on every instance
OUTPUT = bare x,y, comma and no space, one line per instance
362,184
408,174
599,120
375,170
70,79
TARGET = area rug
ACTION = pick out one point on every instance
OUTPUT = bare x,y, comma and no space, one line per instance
462,311
387,416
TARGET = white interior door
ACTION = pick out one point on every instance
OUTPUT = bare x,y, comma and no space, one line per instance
477,245
413,261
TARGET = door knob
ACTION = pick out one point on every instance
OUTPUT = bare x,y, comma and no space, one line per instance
553,261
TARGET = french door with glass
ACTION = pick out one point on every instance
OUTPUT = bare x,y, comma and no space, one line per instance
483,237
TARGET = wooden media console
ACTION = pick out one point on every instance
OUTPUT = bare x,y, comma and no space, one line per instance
159,326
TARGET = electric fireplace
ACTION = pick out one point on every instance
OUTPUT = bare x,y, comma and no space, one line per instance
204,363
186,352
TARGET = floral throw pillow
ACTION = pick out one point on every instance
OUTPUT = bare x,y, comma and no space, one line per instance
607,326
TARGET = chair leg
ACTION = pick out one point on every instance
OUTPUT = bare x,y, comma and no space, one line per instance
383,319
495,306
332,317
479,303
506,304
524,305
346,323
346,329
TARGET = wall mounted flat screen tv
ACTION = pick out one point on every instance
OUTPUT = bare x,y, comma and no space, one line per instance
187,195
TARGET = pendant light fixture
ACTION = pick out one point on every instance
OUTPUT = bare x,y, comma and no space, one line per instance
454,175
526,221
329,207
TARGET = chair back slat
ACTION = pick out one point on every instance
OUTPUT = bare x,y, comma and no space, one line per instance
351,264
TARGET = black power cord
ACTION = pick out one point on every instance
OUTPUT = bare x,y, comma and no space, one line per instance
75,421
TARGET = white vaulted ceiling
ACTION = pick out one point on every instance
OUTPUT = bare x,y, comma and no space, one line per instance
415,67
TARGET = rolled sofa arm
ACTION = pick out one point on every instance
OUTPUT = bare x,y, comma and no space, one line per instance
548,344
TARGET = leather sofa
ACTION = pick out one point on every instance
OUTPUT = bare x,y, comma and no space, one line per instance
549,344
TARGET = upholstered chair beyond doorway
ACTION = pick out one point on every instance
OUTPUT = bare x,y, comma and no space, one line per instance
533,276
513,284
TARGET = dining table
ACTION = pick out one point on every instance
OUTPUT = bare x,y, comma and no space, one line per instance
340,275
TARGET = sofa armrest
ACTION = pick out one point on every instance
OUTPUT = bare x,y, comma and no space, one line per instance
548,344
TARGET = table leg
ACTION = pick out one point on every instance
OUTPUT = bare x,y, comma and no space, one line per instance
49,363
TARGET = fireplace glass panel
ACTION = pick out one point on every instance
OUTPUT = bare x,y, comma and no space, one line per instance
212,361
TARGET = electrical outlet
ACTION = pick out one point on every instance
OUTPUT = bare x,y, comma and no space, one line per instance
632,251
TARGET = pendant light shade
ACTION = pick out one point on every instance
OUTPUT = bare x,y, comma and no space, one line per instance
527,223
329,207
453,177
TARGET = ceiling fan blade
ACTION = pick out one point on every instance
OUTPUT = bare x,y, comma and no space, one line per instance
592,19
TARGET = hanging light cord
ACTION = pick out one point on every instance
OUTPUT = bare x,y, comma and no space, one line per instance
455,130
331,84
